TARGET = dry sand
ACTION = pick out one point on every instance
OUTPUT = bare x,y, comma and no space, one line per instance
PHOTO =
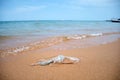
97,63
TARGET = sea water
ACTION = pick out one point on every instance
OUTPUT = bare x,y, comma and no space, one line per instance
21,33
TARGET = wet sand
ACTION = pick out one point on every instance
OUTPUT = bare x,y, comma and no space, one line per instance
101,62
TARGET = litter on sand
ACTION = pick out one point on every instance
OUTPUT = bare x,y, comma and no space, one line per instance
58,59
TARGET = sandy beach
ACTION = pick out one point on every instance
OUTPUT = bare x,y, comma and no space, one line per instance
60,40
101,62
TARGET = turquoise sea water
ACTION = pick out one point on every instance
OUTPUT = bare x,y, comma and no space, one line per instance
18,33
55,27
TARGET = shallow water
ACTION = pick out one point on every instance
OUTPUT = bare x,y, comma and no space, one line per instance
17,36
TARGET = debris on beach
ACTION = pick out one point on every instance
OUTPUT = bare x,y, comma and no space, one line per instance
58,59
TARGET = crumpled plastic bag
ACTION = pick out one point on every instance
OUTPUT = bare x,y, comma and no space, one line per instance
57,59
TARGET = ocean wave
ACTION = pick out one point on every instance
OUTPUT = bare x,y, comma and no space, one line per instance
96,34
51,42
84,36
23,48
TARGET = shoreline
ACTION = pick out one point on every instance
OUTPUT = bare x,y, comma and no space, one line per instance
85,40
100,62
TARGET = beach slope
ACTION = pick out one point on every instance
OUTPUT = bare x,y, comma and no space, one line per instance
100,62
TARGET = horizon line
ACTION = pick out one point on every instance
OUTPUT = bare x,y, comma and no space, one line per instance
55,20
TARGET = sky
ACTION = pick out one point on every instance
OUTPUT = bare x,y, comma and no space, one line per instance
12,10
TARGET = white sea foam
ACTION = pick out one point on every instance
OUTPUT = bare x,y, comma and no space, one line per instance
20,49
76,37
84,36
96,34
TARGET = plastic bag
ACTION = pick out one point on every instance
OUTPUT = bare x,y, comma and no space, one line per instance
57,59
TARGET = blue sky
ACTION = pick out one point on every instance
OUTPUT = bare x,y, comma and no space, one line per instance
59,9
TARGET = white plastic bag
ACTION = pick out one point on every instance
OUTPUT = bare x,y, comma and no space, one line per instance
57,59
